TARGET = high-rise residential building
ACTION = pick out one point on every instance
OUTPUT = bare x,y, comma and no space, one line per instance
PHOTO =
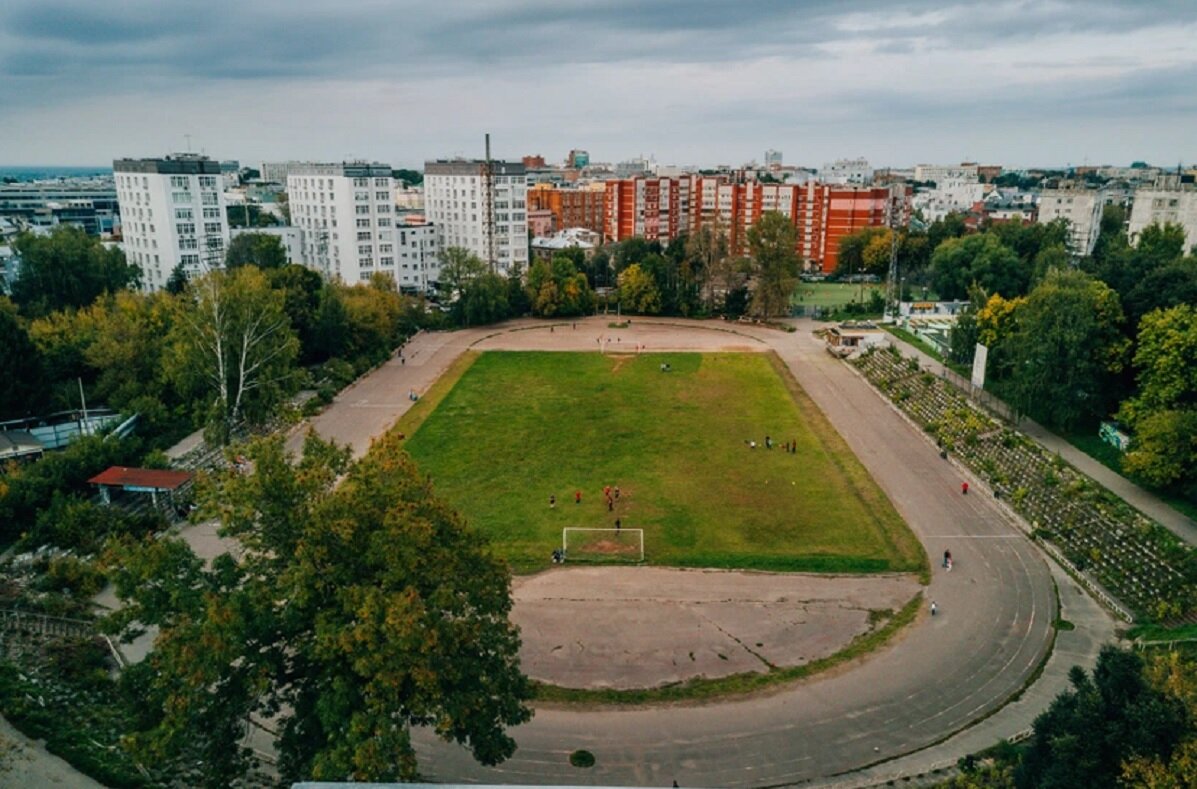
946,172
772,159
1082,208
822,214
570,207
172,213
456,200
654,208
350,231
1156,205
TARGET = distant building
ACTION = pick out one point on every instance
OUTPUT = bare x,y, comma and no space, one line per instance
87,203
949,172
455,200
533,162
773,159
855,172
577,159
1155,205
277,172
172,213
350,230
950,196
1082,208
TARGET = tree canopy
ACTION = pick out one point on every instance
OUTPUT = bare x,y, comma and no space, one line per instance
981,259
255,249
67,268
353,612
771,243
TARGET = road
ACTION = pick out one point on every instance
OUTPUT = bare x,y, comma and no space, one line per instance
994,627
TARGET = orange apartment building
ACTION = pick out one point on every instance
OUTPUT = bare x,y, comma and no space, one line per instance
821,213
657,209
570,207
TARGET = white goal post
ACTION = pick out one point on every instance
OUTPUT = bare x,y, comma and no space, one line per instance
602,545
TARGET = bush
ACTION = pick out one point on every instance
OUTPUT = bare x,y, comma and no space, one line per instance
67,574
77,524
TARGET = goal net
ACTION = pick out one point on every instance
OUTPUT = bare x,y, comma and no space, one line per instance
602,545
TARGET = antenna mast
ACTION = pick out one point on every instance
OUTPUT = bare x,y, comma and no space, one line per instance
488,205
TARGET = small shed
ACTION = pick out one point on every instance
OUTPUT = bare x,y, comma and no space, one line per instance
17,444
848,338
140,480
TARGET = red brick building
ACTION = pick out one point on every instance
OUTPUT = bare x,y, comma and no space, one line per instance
570,207
822,214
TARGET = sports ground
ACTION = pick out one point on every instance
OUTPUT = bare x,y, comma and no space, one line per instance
528,443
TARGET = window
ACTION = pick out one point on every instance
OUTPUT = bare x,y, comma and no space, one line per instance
361,181
365,249
185,228
211,213
384,221
209,198
207,182
384,208
361,197
183,213
385,248
362,209
382,195
179,182
387,261
189,260
212,227
188,243
363,223
363,235
180,197
382,181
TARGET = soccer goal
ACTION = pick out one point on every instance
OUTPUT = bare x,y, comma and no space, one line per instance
602,545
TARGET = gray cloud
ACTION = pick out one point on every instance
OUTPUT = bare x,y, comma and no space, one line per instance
699,73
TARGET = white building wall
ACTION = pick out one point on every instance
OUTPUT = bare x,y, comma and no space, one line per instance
1160,206
454,202
1082,209
172,219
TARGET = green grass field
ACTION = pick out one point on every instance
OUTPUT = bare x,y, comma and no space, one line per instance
833,294
516,428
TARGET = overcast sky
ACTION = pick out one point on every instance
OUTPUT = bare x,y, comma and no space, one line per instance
687,81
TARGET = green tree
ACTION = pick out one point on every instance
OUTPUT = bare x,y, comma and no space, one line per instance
1163,413
22,385
485,300
707,252
458,267
1167,286
352,613
941,230
772,241
1090,730
638,292
1066,350
232,348
302,289
557,289
982,259
255,249
250,215
67,268
177,282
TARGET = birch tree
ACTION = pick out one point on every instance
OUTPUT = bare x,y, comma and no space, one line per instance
232,347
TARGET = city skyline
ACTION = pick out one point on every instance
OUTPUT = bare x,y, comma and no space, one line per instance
1017,83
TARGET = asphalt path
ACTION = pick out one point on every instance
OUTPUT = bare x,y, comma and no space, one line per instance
996,609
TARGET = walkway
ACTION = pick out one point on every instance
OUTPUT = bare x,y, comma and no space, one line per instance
1142,500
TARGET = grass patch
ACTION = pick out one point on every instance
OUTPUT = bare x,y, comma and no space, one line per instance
411,421
1148,632
518,428
833,294
703,689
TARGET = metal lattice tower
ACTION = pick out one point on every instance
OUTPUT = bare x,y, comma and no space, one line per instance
893,290
488,205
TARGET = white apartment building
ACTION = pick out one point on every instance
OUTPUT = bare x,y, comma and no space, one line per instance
350,228
172,212
1160,206
856,172
277,172
949,172
948,196
455,202
1082,208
